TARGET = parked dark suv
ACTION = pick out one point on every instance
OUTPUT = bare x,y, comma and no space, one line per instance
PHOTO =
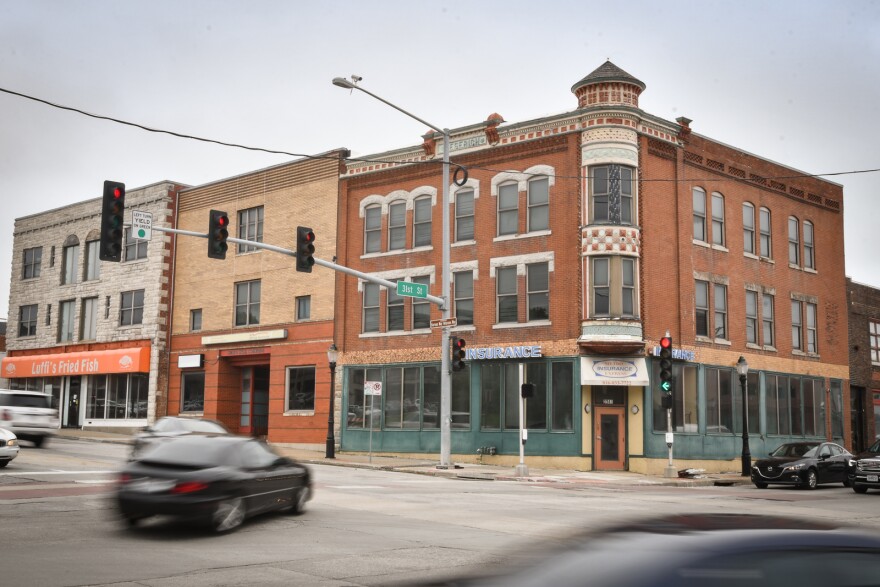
29,415
864,469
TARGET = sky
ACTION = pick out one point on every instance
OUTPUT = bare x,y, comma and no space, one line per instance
796,82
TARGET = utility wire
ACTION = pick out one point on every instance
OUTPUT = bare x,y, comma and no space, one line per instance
385,161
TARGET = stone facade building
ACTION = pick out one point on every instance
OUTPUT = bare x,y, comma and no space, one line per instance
91,333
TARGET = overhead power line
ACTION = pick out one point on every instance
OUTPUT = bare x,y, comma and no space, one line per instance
383,161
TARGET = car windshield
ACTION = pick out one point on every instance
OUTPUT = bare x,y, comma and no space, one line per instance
195,451
24,400
875,448
202,426
795,450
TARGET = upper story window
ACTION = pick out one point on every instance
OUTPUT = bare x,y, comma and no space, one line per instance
612,189
809,246
710,295
247,303
874,340
27,320
612,287
92,261
88,320
718,219
66,324
373,229
71,263
699,198
195,320
720,295
539,204
131,308
370,318
464,215
759,329
135,248
538,291
508,209
749,228
303,307
397,226
394,311
250,228
804,328
31,265
794,244
768,329
464,297
422,222
421,307
765,249
505,290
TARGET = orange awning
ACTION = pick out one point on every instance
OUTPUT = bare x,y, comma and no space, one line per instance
132,360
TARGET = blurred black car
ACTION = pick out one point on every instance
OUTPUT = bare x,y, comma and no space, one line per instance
690,550
864,469
172,427
218,480
804,464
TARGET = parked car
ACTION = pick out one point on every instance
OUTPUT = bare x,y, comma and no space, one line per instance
219,480
8,447
692,550
173,427
29,415
864,469
804,464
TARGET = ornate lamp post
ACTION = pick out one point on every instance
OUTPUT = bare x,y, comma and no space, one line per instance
742,367
332,355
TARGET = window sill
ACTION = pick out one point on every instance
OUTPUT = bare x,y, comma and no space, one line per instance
767,260
751,256
394,333
463,243
510,237
397,252
798,353
296,413
700,243
722,341
721,248
505,325
810,270
770,348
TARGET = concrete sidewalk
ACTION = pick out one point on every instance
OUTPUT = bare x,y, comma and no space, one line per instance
429,466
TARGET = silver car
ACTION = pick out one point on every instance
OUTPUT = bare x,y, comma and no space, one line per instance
29,415
8,447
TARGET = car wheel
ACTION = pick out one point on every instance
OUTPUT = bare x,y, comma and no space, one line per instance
39,441
3,464
846,483
810,481
298,504
859,488
229,515
133,521
760,485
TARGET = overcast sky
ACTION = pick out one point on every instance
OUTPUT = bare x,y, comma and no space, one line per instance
797,82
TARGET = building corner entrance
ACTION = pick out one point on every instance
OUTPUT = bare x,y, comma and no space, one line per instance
609,428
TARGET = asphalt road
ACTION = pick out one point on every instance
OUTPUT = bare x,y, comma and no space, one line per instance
364,527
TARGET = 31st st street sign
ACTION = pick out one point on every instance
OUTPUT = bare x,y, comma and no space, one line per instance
412,290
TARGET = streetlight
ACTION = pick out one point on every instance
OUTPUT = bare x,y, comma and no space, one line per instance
742,367
446,370
332,355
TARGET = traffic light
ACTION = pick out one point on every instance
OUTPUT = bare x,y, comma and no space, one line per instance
527,390
457,353
305,248
218,232
666,365
112,215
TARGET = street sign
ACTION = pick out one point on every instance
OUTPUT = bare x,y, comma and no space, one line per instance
412,290
372,388
444,322
141,225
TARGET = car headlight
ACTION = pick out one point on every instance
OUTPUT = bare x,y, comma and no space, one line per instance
12,442
794,467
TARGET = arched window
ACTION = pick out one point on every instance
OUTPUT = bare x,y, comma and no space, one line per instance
717,219
464,215
766,249
508,209
809,246
373,229
794,244
699,198
748,228
539,204
422,222
397,226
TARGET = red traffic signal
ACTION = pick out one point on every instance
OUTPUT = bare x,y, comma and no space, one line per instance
666,342
218,232
112,216
305,248
457,353
666,383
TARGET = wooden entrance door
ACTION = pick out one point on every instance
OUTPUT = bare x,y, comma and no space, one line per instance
610,449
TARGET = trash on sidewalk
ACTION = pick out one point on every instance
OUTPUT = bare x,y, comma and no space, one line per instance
692,473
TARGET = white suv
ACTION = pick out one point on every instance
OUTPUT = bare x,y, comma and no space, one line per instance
29,415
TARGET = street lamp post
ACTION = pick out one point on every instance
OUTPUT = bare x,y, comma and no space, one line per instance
742,367
332,355
446,370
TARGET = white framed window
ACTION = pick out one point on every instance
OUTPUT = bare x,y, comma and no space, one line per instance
699,200
538,291
749,228
464,215
601,286
422,222
397,226
393,310
874,340
250,228
370,306
303,307
506,295
421,307
508,209
71,262
611,194
135,248
720,317
373,229
794,244
751,317
718,219
539,204
92,261
812,329
66,325
797,325
766,249
613,287
195,320
247,303
31,263
701,307
88,319
768,327
464,297
27,320
809,246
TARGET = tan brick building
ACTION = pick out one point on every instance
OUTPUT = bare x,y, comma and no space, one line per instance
578,240
250,334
